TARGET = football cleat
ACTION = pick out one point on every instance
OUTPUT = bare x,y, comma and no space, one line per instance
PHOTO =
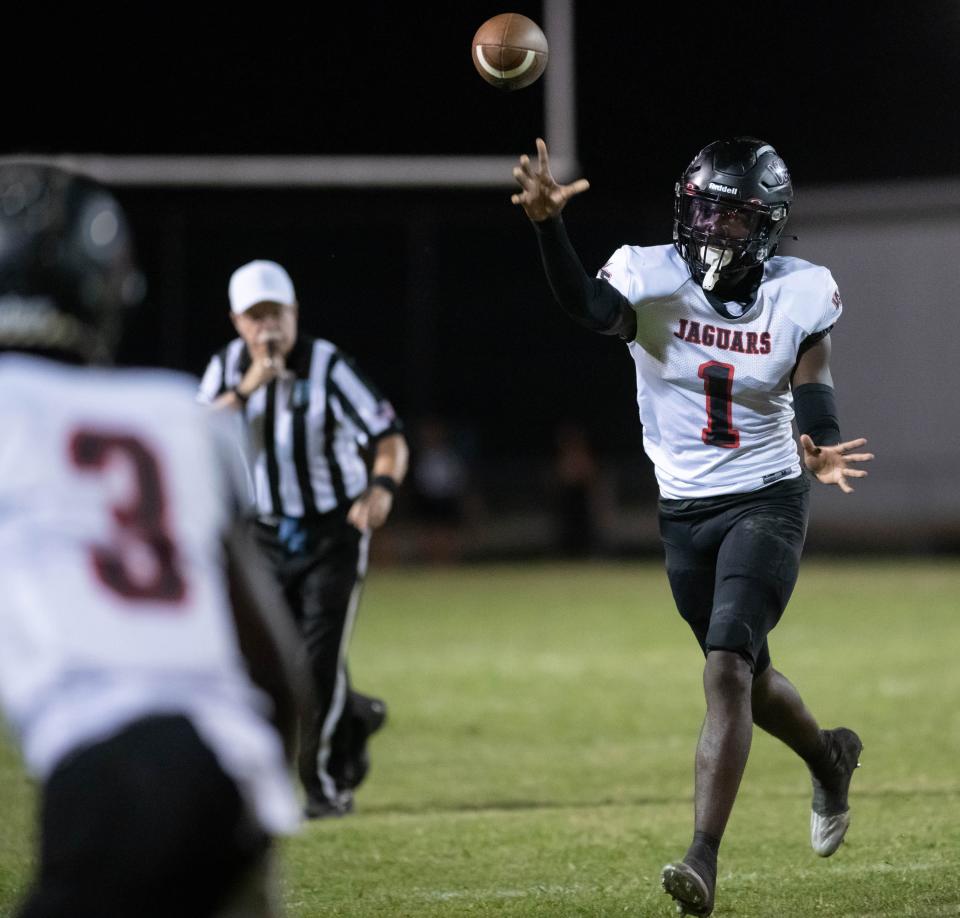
692,893
830,811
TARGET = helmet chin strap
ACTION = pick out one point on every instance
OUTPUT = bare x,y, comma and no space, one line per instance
716,258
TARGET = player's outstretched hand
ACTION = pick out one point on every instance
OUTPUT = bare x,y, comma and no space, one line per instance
542,196
831,464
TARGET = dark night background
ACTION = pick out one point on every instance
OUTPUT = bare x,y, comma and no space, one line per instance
439,293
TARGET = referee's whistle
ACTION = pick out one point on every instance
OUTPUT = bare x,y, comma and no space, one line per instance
271,339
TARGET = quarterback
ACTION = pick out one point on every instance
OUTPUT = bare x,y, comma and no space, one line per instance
731,343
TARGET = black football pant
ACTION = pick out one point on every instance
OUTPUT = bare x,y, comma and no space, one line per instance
144,823
733,561
321,571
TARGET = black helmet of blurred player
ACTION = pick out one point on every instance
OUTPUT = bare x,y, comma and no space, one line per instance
66,264
730,208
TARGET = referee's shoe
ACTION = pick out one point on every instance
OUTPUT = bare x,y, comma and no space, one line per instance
370,714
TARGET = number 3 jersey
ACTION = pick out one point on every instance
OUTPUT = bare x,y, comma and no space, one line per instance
714,392
115,493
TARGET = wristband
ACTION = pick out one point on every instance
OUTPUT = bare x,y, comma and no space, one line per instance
385,482
243,399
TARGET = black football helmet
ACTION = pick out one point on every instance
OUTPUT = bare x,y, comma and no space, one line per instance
730,208
67,270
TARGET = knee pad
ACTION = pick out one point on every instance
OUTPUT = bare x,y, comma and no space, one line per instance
728,632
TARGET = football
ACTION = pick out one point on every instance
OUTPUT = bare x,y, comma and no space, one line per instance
510,51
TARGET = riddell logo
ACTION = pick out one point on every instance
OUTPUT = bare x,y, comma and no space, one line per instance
723,189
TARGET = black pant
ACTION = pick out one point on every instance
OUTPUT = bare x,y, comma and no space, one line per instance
320,568
145,823
733,561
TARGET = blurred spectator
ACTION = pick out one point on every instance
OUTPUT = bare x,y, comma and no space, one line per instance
578,493
441,485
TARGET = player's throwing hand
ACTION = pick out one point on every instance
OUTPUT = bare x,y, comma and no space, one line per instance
831,463
542,196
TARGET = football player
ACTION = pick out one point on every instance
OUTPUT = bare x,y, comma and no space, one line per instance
146,659
731,342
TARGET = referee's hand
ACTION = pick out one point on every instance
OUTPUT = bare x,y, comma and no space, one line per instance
263,370
371,509
266,365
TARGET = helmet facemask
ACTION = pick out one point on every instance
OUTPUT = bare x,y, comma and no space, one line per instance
730,208
722,239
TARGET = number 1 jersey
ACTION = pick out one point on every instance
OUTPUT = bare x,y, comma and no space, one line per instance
714,391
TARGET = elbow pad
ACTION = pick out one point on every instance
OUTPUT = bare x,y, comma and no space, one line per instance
816,410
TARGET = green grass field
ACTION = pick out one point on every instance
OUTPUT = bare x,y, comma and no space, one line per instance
539,755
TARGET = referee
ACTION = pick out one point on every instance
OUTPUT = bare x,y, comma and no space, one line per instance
311,419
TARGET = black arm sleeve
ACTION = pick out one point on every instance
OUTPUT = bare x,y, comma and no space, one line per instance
591,302
816,410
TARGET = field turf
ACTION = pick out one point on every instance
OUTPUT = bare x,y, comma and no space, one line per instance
538,757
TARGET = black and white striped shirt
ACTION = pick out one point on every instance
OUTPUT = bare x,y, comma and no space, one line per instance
306,429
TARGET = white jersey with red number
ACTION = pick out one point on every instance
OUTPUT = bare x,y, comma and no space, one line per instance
714,392
114,497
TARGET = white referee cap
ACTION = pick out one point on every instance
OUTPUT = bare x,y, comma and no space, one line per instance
258,282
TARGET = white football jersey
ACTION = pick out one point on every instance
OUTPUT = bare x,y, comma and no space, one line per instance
714,393
115,492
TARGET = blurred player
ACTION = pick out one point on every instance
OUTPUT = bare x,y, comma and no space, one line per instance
311,416
730,343
135,619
